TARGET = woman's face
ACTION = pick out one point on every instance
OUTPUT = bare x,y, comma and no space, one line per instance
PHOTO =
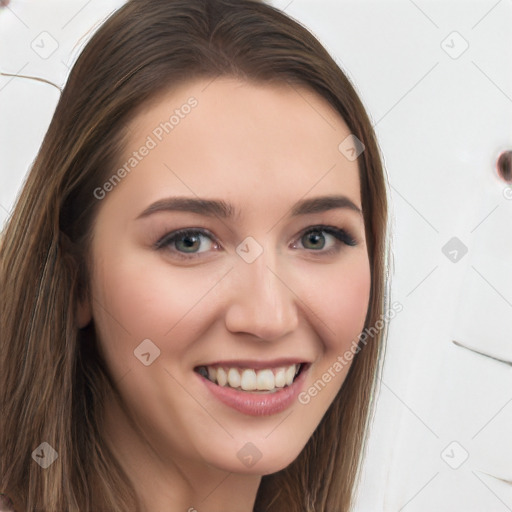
254,287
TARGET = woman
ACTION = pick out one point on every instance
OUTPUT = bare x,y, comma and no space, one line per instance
188,271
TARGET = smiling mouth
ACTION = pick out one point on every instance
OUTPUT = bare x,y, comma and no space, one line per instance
267,380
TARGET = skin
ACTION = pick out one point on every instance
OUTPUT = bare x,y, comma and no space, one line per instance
261,148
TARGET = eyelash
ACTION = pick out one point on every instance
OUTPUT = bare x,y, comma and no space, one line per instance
341,236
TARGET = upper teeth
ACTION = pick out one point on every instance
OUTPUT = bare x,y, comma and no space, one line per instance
250,380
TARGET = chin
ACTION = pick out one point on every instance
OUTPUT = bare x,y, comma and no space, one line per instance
262,462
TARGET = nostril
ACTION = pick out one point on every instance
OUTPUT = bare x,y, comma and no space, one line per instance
504,166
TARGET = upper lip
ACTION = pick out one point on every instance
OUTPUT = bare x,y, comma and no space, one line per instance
256,364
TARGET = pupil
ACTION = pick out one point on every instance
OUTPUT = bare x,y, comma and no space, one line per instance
316,236
189,241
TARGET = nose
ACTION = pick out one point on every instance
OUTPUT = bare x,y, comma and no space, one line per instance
262,303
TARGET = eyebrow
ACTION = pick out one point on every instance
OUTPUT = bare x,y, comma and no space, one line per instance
220,208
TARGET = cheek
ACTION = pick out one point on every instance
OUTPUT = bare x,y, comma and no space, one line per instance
341,305
134,301
341,302
137,297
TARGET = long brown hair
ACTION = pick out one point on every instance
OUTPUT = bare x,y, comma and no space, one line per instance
53,384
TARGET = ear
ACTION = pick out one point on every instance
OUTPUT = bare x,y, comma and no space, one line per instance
83,314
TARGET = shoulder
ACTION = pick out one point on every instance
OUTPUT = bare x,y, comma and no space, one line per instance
6,505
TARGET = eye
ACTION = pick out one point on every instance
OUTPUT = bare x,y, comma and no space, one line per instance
314,238
185,242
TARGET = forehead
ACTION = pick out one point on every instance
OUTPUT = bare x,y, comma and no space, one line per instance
227,137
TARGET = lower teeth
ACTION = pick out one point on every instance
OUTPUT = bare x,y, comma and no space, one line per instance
254,390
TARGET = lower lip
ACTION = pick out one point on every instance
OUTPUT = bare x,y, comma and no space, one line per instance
258,404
